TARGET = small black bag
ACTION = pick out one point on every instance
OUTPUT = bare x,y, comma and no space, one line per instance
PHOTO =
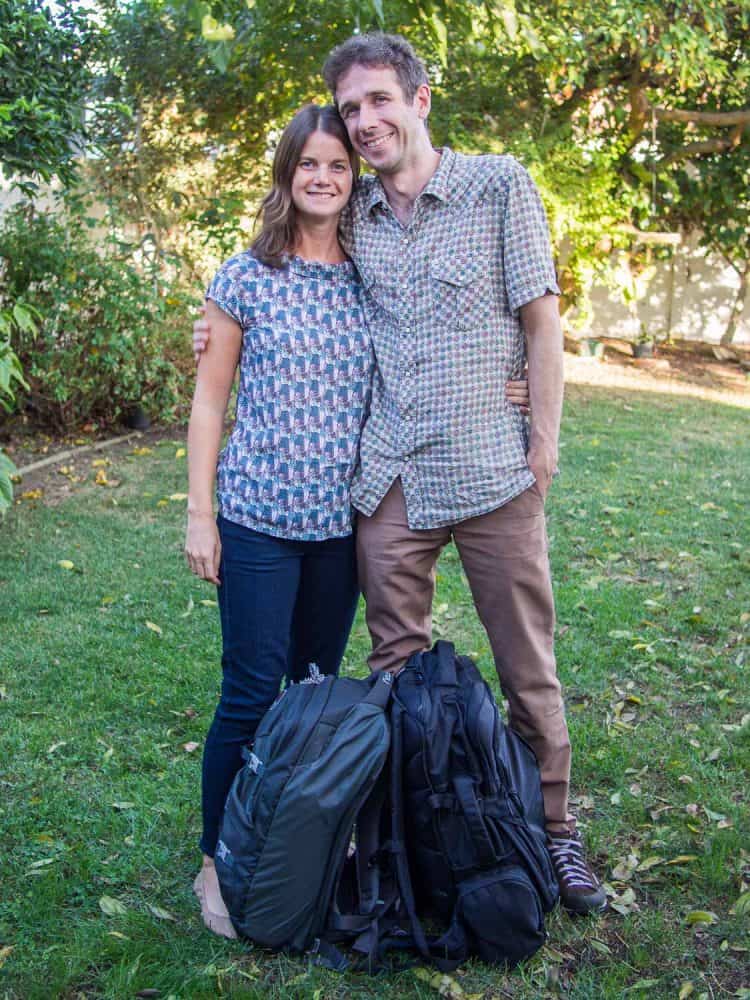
469,816
290,812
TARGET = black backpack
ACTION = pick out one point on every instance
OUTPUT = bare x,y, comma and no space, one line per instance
289,816
469,816
452,828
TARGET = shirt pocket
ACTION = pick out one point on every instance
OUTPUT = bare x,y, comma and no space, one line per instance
462,294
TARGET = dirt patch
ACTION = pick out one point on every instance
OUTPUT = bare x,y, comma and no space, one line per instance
76,463
685,370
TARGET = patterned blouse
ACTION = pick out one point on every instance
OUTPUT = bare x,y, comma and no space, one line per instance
305,375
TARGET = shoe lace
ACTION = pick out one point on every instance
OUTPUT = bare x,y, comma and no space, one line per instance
570,862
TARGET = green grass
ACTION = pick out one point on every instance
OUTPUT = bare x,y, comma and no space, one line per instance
99,796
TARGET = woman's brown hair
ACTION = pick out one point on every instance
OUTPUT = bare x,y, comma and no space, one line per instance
277,213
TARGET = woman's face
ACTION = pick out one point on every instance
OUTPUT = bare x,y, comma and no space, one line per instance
322,181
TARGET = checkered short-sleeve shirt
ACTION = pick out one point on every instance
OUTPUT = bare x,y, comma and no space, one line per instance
305,372
442,299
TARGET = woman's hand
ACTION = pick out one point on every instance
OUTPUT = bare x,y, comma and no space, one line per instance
203,547
517,394
201,335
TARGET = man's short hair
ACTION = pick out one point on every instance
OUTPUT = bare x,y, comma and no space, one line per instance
377,49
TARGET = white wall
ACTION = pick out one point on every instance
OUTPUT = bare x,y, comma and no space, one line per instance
690,297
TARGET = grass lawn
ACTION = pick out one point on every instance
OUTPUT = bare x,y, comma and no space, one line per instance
109,673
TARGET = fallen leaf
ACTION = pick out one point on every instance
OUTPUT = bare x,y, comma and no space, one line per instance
121,806
66,564
190,746
713,816
682,859
189,608
159,913
32,494
4,953
141,451
651,862
178,496
701,917
56,746
112,907
742,906
625,868
180,453
444,984
686,990
207,603
154,628
42,863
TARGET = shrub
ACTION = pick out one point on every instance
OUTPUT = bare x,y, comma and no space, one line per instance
108,336
11,378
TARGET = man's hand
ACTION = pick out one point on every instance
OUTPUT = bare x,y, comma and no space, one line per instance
201,335
517,394
542,460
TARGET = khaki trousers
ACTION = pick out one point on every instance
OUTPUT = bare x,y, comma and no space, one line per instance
504,556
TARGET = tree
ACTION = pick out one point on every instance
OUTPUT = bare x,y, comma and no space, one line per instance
623,109
43,76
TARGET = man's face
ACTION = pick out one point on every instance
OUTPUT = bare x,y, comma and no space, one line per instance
383,126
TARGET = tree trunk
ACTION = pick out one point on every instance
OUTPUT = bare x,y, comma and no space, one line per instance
737,307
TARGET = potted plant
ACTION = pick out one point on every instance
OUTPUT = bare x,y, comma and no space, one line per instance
644,344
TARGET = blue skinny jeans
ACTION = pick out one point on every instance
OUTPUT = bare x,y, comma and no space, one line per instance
283,604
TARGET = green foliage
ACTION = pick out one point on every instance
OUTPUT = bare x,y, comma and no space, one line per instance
106,336
43,75
21,318
7,470
566,88
18,317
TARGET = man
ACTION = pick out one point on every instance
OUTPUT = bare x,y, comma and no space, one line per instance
454,255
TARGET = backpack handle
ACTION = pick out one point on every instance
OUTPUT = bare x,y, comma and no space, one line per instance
380,692
445,672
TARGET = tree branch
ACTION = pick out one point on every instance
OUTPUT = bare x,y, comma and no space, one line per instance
705,146
717,118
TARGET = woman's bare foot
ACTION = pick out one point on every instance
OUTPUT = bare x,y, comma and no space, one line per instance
213,909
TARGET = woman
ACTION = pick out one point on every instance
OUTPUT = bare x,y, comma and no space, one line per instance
281,551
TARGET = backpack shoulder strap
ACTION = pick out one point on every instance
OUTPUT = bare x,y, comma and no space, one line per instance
447,952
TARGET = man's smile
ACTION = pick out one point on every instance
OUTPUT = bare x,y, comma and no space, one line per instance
377,141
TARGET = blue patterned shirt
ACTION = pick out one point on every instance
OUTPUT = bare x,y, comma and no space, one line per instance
443,295
305,376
